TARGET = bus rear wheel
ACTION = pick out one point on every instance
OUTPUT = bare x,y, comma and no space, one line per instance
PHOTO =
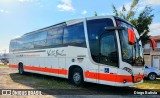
77,77
21,70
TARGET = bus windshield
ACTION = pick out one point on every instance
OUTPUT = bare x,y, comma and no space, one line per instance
132,54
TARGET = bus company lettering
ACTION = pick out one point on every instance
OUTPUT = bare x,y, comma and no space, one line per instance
55,53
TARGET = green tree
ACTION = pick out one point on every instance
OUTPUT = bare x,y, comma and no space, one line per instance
141,23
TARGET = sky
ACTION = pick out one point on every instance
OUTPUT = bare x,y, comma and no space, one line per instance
18,17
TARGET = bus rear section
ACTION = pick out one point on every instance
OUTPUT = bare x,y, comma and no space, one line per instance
94,49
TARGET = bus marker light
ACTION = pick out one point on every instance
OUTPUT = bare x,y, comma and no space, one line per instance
124,81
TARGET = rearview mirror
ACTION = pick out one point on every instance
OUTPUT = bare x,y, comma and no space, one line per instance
131,36
153,44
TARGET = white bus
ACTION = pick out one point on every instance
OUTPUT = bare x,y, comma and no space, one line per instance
101,49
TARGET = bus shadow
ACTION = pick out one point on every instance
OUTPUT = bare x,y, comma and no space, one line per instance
58,86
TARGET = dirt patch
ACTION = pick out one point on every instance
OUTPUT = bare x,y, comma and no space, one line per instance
6,82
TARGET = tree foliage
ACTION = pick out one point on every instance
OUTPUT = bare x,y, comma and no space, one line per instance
141,22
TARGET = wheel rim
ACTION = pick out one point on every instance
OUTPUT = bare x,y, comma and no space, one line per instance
77,78
152,77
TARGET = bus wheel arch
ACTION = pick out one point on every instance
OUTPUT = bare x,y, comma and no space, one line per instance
20,68
76,75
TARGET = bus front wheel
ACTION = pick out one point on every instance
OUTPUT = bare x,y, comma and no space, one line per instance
77,77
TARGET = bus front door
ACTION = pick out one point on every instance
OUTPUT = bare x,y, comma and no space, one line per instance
108,58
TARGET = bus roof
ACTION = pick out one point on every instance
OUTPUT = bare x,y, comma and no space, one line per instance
73,21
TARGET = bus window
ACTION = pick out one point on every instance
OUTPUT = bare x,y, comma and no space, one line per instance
40,39
54,37
95,28
18,44
39,44
108,49
74,35
12,46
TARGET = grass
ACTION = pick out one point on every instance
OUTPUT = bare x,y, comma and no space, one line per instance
49,82
148,84
38,81
43,82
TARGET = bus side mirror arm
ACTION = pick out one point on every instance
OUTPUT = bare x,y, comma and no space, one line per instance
107,29
131,34
114,28
153,43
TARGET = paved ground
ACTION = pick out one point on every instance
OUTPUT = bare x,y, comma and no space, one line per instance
8,81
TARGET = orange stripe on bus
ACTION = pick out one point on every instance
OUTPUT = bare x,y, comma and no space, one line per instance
49,70
121,78
87,74
111,77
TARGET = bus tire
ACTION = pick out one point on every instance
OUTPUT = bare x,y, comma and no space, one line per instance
20,68
77,76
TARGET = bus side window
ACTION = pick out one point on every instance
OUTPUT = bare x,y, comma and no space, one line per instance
74,35
12,46
59,36
39,40
54,37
